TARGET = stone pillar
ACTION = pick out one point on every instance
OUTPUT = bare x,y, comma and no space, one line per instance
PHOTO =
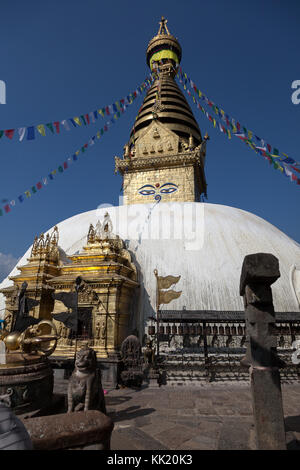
259,272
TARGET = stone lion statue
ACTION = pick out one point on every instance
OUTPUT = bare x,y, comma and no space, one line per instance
85,390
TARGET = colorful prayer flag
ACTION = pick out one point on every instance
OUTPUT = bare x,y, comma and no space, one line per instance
21,132
41,129
50,126
30,133
56,124
9,133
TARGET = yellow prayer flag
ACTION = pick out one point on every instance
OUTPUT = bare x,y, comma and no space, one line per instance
27,193
214,122
78,152
41,129
77,120
98,135
229,134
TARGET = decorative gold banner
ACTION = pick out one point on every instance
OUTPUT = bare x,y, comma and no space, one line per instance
167,281
165,297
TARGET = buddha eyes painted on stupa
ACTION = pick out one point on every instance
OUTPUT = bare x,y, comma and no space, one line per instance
157,189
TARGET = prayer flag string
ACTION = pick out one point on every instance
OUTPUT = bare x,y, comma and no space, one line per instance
74,158
230,126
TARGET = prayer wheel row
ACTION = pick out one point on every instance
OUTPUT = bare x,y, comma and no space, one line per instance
197,329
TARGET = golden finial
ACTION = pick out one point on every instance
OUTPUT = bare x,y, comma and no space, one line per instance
163,29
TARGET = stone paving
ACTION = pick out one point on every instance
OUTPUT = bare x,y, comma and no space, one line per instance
204,417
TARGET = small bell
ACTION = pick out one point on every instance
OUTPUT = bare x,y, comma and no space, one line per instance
233,330
168,329
240,330
221,330
227,330
174,329
180,329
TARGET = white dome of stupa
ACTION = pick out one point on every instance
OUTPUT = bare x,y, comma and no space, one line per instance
203,243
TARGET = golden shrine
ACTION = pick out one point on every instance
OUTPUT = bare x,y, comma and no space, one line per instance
109,279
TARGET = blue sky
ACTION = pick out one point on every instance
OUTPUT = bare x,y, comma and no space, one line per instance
60,59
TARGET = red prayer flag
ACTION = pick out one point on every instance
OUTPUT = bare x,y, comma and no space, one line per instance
56,123
269,148
39,185
87,117
9,133
65,165
296,169
7,208
107,110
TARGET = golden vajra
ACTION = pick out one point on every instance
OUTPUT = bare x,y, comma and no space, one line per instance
34,340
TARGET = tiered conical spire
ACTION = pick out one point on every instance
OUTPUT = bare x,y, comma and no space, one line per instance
164,101
165,156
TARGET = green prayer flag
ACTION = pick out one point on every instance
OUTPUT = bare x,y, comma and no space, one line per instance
60,168
102,131
50,126
1,134
245,130
84,121
1,213
276,151
33,189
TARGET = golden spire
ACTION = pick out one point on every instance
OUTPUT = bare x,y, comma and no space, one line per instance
163,29
163,47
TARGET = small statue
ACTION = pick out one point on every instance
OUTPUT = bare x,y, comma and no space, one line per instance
131,354
22,319
149,353
103,331
85,390
107,227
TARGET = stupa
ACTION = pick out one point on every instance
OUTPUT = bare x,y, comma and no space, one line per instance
165,226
